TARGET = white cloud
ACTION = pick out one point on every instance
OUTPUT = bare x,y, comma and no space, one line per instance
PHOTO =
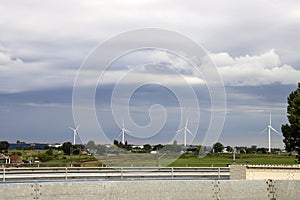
263,69
7,59
254,70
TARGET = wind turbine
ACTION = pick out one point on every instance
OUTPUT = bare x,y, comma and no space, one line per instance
269,127
185,131
75,132
123,132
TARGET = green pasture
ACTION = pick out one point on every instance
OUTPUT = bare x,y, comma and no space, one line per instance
152,160
222,160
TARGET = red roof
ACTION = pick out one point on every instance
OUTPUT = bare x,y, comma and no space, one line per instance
15,159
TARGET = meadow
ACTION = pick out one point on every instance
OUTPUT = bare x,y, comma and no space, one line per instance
150,160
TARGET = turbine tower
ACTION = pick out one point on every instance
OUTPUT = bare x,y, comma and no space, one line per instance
123,132
269,127
75,132
185,131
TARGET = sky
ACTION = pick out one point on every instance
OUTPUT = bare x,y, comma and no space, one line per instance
253,44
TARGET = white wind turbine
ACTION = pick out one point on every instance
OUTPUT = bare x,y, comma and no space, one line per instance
75,132
123,132
185,131
269,127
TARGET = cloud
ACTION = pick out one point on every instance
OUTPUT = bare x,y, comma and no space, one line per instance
47,105
71,27
263,69
17,75
7,59
47,46
245,70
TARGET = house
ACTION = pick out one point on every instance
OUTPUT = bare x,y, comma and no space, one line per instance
4,159
15,159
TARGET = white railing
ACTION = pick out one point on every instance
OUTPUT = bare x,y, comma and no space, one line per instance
69,173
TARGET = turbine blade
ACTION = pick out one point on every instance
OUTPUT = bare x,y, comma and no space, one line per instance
79,138
190,132
186,122
180,130
275,130
77,127
263,130
125,130
270,118
71,128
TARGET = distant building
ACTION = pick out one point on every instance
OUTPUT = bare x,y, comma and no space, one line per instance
15,159
34,146
55,145
154,152
4,159
138,146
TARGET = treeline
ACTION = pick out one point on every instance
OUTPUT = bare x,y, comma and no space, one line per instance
220,148
119,147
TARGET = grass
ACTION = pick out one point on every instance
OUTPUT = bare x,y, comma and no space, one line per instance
150,160
222,160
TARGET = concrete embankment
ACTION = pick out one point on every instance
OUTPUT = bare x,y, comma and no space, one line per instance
153,189
261,172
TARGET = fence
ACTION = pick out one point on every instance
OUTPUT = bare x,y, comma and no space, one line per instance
67,173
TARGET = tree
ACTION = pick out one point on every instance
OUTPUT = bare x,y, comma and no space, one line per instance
116,142
101,149
158,147
43,157
147,148
66,147
261,150
291,131
229,149
4,145
218,147
77,148
49,152
253,149
91,145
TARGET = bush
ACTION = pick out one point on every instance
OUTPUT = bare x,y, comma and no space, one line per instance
44,157
49,152
16,153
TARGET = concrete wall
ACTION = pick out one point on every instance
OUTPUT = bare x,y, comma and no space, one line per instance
262,172
152,189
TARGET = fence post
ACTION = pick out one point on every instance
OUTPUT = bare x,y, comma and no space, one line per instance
172,171
4,174
66,178
219,171
121,172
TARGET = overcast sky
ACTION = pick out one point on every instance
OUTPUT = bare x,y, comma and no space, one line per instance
254,44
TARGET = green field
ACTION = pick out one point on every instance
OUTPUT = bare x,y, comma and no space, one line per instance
223,160
150,160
